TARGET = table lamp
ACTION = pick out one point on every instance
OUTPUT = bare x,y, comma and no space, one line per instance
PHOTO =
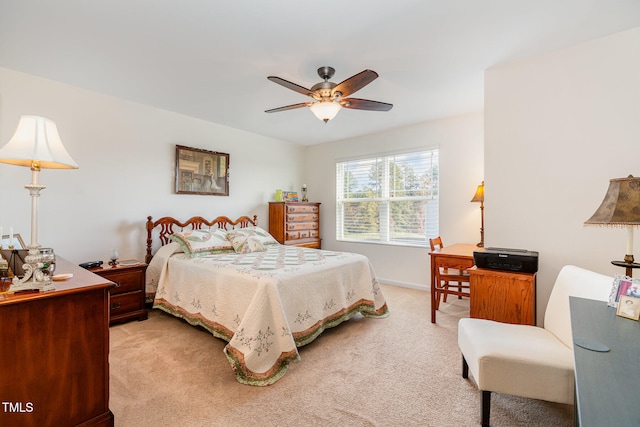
621,209
35,144
479,197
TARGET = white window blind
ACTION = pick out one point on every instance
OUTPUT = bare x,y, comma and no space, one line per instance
388,199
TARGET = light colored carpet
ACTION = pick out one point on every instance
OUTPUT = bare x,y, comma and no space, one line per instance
398,371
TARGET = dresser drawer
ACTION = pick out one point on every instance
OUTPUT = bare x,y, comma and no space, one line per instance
126,281
302,226
302,209
292,235
124,303
302,217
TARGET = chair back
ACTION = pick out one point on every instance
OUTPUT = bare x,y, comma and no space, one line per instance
436,243
577,282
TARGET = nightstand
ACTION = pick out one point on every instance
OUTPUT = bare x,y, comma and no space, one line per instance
126,298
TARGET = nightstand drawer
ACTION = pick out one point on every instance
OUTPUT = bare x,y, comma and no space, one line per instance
124,303
125,281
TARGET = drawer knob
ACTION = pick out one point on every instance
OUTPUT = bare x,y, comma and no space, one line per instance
118,284
115,305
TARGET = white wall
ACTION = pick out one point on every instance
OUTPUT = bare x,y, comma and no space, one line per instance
126,154
461,170
557,128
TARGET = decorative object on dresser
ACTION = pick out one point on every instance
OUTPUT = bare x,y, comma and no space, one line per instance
479,197
295,223
304,193
54,358
201,172
127,296
619,209
35,144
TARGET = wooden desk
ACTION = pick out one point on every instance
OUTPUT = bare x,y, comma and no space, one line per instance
54,353
606,383
458,256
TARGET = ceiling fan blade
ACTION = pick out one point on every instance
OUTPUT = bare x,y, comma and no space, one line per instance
355,83
289,107
365,104
292,86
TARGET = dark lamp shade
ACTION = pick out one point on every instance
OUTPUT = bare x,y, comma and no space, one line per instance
479,196
621,205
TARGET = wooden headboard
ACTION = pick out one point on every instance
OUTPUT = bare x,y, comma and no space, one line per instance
166,227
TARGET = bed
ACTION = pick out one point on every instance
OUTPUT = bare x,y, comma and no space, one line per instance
264,299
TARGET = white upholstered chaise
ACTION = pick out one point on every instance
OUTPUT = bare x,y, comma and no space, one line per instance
529,361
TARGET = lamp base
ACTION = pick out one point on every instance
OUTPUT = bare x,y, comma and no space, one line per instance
628,265
34,279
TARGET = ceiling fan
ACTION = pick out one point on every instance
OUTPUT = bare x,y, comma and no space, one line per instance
330,97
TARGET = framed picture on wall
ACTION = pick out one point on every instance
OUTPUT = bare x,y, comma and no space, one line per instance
201,172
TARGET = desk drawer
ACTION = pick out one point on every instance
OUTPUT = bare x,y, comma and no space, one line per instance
456,263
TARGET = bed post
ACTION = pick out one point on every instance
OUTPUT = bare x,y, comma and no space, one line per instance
149,226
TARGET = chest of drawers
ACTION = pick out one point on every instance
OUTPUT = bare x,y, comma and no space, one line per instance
295,223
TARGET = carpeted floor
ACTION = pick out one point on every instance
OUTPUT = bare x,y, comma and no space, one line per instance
398,371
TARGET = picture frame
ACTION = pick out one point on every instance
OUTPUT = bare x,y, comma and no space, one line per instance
201,171
623,286
18,243
290,196
628,307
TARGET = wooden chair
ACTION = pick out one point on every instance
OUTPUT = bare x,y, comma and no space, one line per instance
446,276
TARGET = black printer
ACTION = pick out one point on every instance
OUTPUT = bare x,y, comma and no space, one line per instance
519,260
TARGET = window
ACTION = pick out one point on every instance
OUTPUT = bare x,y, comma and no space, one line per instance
389,199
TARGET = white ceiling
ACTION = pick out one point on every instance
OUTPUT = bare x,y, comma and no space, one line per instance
210,59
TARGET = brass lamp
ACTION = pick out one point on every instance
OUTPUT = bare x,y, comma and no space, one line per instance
479,197
35,144
621,209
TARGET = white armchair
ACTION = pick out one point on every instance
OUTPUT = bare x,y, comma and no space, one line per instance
529,361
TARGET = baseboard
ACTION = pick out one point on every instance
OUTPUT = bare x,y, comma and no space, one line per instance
418,286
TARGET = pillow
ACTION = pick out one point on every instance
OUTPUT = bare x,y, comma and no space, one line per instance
250,239
257,233
203,242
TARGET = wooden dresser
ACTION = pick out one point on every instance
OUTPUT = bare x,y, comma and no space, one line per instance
54,353
127,296
503,296
295,223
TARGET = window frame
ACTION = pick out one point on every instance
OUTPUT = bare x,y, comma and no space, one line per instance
385,199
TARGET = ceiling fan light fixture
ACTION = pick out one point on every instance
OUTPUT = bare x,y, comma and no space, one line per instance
325,110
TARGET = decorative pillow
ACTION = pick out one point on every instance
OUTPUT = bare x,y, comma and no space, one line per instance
250,239
203,242
256,233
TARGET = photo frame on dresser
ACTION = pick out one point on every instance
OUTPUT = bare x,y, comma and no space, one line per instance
201,171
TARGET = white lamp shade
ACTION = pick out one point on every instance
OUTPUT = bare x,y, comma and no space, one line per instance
325,110
36,140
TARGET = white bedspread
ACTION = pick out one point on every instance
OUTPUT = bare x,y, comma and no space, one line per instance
265,304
